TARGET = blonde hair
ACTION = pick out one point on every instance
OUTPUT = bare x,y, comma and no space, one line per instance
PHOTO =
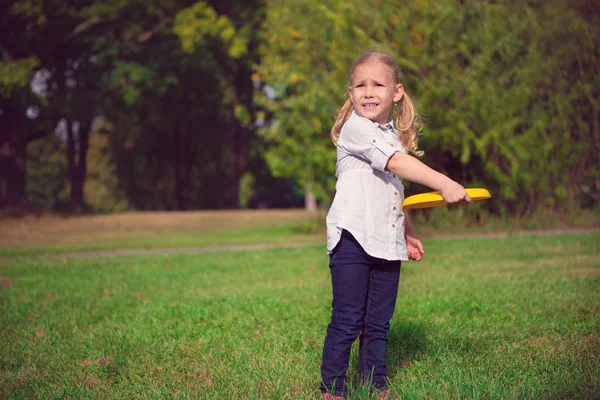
406,118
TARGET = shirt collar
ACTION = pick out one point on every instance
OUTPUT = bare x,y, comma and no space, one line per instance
387,126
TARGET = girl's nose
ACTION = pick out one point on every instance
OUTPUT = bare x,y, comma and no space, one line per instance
369,91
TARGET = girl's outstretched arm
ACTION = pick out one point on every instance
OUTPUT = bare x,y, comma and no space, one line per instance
409,168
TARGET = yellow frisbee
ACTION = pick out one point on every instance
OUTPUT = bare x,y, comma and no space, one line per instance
434,199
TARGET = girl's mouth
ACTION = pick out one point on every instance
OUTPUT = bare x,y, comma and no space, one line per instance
369,106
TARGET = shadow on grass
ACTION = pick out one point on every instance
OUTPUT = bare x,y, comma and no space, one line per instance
410,342
406,343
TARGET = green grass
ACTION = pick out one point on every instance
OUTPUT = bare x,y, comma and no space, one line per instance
158,230
53,234
489,318
278,235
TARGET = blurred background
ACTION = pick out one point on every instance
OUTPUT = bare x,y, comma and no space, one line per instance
108,106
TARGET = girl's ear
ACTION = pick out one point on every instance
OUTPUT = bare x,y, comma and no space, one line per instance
398,92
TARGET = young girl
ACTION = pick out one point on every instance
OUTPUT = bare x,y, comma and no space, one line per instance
368,233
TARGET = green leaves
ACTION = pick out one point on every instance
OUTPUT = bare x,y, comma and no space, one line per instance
16,74
194,23
47,172
506,91
132,78
306,50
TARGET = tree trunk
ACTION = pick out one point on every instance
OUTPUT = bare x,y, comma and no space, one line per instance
237,158
14,137
181,175
177,170
241,132
310,201
77,148
239,135
183,154
13,178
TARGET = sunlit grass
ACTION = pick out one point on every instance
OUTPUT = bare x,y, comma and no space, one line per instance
53,234
514,317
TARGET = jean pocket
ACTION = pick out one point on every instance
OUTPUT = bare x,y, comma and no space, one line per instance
349,250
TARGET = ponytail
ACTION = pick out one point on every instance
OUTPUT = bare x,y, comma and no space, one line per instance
341,119
408,124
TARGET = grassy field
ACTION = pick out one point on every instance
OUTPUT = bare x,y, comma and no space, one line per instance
52,234
479,318
153,230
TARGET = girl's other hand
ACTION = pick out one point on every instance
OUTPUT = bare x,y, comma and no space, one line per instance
414,246
454,192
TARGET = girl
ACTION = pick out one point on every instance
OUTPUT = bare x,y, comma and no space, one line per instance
368,233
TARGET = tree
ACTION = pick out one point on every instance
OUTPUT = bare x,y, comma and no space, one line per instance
46,33
47,172
16,129
228,32
506,90
123,60
307,50
169,108
102,191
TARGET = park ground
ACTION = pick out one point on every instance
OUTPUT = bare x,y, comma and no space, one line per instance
489,313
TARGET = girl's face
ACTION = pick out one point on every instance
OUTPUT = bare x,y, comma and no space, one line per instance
374,90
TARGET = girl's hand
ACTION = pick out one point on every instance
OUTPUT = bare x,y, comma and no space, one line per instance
454,192
414,246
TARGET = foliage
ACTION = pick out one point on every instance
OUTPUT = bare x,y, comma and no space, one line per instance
175,102
246,189
511,103
102,191
166,143
505,90
43,37
124,61
193,23
47,172
228,31
306,50
16,74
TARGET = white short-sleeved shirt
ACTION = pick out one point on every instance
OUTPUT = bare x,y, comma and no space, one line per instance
368,199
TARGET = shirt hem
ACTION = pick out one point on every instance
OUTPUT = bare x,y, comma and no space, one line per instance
340,228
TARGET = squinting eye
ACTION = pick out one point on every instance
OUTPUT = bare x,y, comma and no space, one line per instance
360,85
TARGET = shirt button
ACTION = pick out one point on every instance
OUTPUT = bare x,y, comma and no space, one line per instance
393,226
392,145
394,207
395,193
374,141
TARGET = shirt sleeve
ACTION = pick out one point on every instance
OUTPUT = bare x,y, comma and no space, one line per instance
361,138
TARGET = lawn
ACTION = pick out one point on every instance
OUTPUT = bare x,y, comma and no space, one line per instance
54,234
488,318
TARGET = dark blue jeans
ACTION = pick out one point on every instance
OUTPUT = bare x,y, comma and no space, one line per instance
364,297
